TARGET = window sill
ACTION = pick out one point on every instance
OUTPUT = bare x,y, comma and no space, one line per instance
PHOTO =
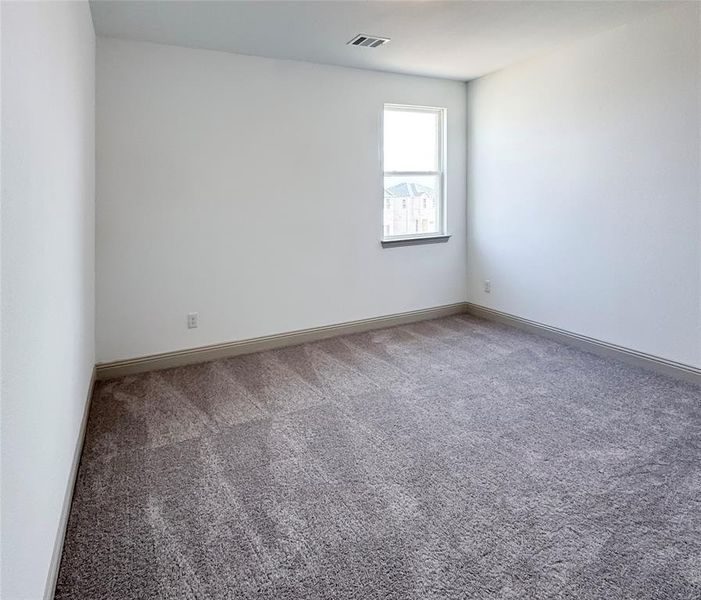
415,241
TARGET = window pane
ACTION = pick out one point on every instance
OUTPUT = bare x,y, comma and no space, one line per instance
410,140
411,205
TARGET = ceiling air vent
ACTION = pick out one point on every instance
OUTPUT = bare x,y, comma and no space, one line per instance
368,41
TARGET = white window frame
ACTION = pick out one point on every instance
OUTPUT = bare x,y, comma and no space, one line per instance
440,173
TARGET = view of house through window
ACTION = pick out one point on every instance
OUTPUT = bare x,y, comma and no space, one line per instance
414,182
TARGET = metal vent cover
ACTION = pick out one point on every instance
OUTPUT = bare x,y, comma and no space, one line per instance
368,41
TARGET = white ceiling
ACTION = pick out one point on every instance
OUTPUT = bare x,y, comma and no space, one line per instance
456,40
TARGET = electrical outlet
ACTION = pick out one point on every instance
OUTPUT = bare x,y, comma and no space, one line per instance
193,320
487,286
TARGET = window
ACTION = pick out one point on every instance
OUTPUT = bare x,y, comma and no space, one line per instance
414,173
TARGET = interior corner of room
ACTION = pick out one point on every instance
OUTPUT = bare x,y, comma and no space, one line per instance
180,188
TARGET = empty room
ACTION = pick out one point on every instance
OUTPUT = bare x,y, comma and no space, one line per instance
365,300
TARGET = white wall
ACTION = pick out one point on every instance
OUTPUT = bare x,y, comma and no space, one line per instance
249,190
48,100
584,187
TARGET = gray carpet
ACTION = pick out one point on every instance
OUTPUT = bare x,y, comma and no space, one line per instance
449,459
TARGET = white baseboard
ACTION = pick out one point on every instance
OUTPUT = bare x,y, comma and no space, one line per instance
632,357
189,356
178,358
50,587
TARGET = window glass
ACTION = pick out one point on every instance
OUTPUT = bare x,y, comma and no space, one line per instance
414,181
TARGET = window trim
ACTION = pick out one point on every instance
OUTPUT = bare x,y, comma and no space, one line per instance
414,241
441,131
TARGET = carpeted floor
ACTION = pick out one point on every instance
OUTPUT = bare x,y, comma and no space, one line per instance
448,459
